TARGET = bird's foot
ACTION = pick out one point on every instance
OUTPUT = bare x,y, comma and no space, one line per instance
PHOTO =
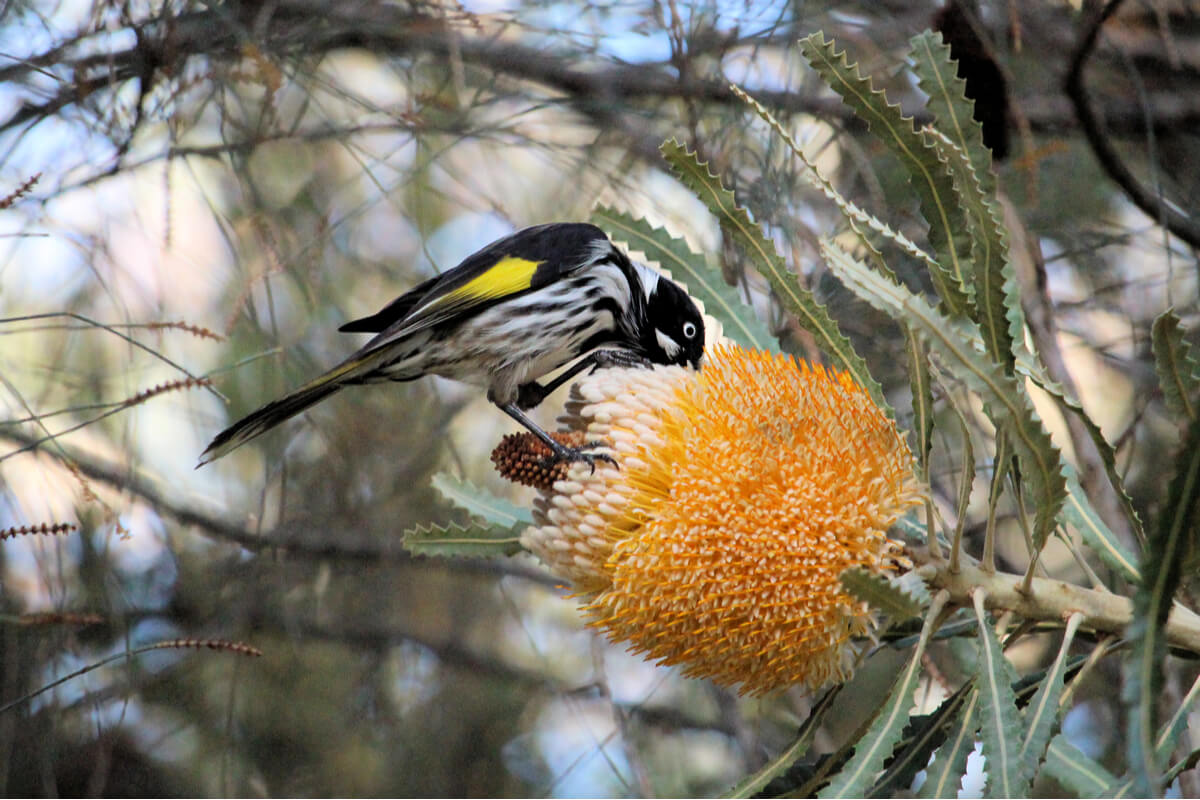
603,359
570,455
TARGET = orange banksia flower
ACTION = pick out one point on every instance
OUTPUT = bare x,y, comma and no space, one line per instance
743,491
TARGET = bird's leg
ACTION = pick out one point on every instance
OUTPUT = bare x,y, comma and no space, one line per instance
529,395
559,451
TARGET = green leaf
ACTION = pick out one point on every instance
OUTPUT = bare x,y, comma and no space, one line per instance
860,221
959,139
1029,368
754,784
453,540
1000,727
876,745
944,776
921,386
1168,737
1079,513
897,599
703,282
797,300
481,503
953,112
1041,715
966,480
930,178
997,306
1076,771
922,735
952,341
1178,373
1175,536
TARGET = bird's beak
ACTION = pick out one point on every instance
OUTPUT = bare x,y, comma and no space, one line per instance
698,362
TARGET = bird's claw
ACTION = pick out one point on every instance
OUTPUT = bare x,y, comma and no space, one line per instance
571,455
619,358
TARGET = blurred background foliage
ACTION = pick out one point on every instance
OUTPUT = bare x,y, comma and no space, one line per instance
262,171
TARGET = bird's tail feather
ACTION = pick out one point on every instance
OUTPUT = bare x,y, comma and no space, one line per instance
272,414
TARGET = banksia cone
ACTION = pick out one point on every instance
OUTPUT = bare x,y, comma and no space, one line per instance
742,492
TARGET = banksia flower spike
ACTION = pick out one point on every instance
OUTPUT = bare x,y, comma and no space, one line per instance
742,492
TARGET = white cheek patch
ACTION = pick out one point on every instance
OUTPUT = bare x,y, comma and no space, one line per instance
669,345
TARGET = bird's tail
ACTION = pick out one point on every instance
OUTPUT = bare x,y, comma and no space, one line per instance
272,414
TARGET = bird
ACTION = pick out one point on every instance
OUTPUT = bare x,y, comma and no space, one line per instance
517,310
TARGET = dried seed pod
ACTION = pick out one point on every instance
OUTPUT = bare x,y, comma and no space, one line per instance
525,459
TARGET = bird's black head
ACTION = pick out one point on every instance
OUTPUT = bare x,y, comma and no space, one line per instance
674,331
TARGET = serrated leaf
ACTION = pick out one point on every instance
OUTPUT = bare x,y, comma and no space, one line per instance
910,527
966,480
1027,367
1178,373
1079,513
953,112
997,306
877,743
921,385
703,282
753,784
1004,397
929,177
1000,725
884,594
480,502
922,735
797,300
454,540
944,776
1076,771
1175,535
1168,737
1041,715
959,140
859,220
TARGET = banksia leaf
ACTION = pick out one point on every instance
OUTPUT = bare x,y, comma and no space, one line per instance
952,341
1174,537
748,235
1178,373
930,178
496,511
470,541
885,594
1000,725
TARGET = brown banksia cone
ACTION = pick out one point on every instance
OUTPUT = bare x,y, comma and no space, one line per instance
525,459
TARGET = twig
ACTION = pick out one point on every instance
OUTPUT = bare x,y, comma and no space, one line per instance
211,644
1152,204
113,330
129,480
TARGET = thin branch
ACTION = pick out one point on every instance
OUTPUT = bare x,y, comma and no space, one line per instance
283,539
1149,202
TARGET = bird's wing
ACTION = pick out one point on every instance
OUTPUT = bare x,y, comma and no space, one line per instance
521,263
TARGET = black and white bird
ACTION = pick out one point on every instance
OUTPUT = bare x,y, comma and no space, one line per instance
517,310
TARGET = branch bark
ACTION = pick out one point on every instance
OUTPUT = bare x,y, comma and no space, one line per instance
1051,600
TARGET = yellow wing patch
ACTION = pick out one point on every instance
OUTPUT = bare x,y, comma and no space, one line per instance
505,277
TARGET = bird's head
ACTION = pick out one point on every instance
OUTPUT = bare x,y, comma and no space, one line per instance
674,331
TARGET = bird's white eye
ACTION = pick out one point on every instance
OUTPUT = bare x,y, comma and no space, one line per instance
689,330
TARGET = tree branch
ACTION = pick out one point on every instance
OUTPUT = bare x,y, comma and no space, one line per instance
1152,204
1051,600
283,539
